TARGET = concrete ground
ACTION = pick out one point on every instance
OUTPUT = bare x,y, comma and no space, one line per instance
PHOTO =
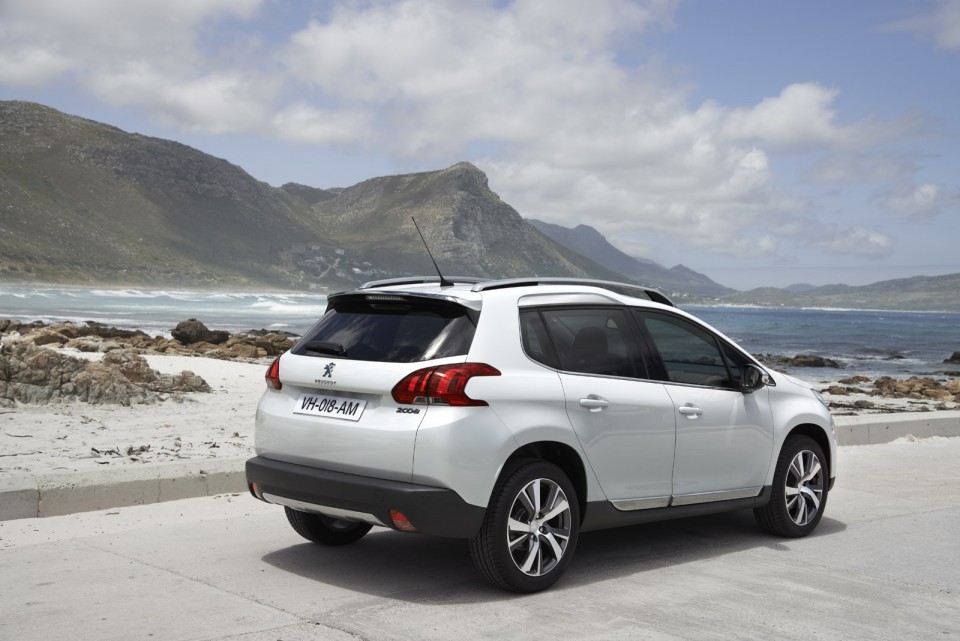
56,493
882,565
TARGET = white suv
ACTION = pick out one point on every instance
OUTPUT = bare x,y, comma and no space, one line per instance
518,413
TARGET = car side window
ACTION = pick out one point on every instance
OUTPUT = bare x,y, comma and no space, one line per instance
690,355
536,341
592,341
735,363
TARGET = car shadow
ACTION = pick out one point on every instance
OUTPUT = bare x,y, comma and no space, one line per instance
432,570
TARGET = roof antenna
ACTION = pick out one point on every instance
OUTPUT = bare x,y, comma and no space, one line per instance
443,281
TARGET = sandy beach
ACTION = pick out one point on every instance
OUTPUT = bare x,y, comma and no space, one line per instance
73,436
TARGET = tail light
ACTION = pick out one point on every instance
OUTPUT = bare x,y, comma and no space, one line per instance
273,375
441,385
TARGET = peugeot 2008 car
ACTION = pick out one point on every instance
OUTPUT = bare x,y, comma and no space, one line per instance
516,414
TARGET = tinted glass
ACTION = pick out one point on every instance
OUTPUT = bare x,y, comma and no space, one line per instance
735,362
690,354
536,342
592,341
403,332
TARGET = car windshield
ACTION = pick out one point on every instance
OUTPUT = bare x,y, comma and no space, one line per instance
400,331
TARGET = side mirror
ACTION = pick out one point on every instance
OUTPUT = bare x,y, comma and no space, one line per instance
752,378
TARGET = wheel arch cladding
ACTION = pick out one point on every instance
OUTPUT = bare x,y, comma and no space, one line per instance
564,457
817,434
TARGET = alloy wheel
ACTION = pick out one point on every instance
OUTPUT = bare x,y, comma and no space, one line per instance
539,527
803,487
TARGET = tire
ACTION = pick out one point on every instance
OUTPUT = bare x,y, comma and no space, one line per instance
324,529
800,485
530,530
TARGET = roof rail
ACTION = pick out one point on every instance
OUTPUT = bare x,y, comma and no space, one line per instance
419,280
614,286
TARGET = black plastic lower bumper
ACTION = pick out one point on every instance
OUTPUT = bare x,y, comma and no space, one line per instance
431,510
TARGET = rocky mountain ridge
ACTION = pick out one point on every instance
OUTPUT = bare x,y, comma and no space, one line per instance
86,203
591,243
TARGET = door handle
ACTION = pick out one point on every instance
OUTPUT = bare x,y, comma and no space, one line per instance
690,410
594,403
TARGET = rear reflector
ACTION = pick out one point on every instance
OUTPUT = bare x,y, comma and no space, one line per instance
400,522
443,385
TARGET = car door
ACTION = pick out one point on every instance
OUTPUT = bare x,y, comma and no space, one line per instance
625,422
724,436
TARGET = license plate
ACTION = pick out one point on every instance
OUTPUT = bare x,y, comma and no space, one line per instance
348,409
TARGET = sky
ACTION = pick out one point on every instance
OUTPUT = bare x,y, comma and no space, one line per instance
761,143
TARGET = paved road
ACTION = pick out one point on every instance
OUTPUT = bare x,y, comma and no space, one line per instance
883,565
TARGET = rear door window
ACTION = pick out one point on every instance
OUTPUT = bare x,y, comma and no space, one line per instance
399,331
593,341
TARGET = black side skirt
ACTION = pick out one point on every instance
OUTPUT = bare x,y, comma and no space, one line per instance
600,515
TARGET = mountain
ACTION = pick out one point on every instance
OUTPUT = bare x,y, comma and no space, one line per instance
932,293
85,202
678,280
469,230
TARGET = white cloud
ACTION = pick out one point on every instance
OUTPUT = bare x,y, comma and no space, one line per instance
941,25
854,241
304,123
577,135
799,119
862,167
31,66
921,201
142,54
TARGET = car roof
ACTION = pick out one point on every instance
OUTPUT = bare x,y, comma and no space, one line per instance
469,289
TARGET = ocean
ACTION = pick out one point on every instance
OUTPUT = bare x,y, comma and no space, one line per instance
872,343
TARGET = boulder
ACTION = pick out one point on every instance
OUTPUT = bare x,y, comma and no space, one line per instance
48,336
854,380
954,360
193,331
32,374
801,360
918,388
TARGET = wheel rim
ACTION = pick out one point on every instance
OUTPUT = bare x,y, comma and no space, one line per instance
804,487
538,530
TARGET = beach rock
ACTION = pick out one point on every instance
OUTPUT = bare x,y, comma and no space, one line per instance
841,390
953,360
854,380
48,336
95,337
801,360
34,374
917,388
193,331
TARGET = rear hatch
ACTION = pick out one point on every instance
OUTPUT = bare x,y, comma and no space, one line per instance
335,409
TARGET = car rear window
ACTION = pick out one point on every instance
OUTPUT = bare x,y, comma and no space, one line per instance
402,330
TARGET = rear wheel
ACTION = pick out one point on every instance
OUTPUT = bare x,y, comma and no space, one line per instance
530,530
325,529
799,490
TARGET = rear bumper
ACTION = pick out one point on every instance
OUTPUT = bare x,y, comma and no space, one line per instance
431,510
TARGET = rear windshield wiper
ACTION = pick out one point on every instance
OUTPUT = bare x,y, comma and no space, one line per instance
325,347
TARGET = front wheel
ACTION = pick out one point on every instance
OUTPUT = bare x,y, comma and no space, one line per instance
799,490
325,529
530,530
